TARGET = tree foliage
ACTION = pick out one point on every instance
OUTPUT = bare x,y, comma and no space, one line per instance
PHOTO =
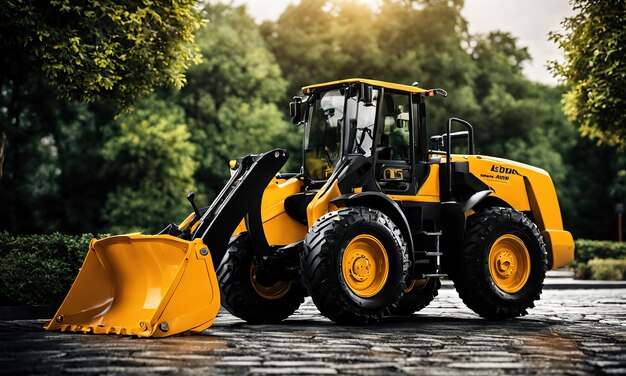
151,162
595,69
106,49
51,175
230,98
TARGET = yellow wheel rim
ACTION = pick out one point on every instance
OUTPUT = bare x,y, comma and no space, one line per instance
273,292
509,263
416,284
365,266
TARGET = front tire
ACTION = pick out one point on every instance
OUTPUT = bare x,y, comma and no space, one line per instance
354,265
501,269
246,297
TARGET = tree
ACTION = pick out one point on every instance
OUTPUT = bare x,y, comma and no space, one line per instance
151,163
325,40
49,182
595,69
93,51
320,40
230,97
107,49
498,60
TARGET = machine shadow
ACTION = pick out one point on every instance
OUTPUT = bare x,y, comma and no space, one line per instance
403,324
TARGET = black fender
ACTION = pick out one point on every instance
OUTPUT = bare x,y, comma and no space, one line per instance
380,201
453,218
453,225
475,199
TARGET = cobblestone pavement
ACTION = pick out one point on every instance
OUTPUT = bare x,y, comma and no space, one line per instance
569,332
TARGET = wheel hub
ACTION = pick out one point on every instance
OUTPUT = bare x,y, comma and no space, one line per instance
509,263
360,267
365,265
273,292
505,264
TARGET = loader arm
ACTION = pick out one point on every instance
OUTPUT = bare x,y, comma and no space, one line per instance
244,189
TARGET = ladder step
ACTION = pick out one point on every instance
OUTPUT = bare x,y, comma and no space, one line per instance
433,253
427,233
434,275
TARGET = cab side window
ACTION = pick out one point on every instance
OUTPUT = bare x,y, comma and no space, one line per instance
394,134
393,140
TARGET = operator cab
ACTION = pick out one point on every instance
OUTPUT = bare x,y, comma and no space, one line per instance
378,120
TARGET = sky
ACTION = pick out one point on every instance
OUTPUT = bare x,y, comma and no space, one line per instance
529,20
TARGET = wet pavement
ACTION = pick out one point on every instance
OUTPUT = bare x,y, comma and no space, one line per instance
574,331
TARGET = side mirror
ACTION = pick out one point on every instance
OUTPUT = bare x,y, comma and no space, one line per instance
295,111
436,92
367,95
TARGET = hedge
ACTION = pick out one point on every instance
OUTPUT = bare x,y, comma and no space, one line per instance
600,259
39,269
603,269
602,249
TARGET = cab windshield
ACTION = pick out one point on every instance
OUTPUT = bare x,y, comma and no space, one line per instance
322,133
331,116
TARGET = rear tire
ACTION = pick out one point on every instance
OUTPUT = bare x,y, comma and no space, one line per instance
354,265
417,297
245,297
500,272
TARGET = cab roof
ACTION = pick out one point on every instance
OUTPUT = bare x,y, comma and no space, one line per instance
387,85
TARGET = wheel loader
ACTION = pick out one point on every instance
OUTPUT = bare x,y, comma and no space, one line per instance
378,213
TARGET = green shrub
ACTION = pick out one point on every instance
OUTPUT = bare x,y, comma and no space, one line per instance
603,269
600,259
608,269
582,271
589,249
39,269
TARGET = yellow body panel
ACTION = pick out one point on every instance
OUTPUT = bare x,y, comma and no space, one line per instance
279,227
562,245
428,192
430,188
388,85
148,286
320,204
509,187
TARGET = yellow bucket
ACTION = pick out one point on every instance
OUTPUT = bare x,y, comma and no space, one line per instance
147,286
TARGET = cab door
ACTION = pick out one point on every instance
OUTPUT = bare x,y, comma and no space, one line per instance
394,157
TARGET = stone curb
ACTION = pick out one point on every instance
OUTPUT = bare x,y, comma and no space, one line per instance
566,284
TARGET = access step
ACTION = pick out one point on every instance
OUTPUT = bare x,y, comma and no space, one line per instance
433,253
